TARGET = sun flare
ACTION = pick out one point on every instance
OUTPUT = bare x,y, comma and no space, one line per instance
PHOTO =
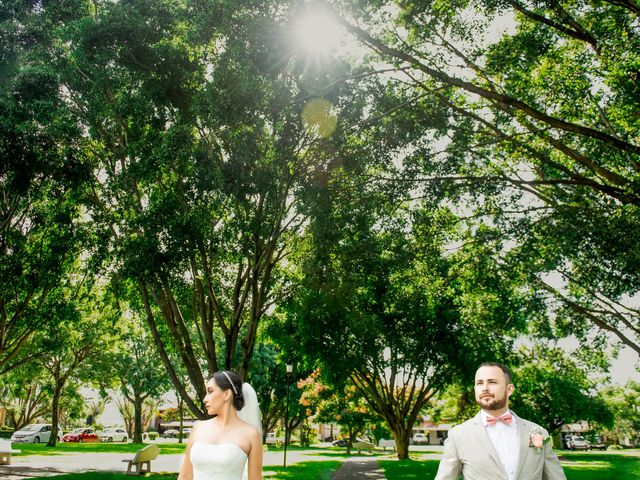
316,33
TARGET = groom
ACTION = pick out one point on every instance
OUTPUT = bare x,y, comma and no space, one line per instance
496,444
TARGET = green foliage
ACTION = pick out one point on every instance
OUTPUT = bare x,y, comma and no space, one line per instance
197,154
382,306
131,365
455,404
553,390
345,407
27,395
40,169
623,402
541,138
268,378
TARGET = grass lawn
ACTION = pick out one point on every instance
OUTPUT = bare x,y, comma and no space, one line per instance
111,476
306,470
69,447
409,469
577,466
600,466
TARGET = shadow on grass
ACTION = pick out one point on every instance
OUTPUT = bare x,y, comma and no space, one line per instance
409,469
290,448
591,466
576,466
112,476
308,470
304,470
63,448
326,453
343,454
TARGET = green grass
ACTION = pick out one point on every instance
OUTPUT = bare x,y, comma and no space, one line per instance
306,470
321,470
72,447
112,476
577,466
601,466
409,469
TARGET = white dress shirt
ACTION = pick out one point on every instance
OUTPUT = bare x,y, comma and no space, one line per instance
506,442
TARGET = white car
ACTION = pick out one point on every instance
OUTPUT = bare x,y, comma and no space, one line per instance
420,439
35,433
272,439
577,442
114,435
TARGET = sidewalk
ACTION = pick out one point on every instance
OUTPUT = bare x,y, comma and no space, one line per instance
358,468
34,466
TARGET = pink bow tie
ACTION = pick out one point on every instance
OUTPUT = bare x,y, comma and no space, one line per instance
506,418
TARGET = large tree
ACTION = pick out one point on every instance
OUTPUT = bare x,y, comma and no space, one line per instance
382,307
132,366
345,407
623,402
83,330
542,100
40,166
554,389
193,124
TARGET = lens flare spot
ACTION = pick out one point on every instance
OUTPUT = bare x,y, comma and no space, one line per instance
319,117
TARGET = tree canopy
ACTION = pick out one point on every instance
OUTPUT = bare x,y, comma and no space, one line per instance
400,204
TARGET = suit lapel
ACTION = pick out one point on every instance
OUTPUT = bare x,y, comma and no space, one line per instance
523,434
485,441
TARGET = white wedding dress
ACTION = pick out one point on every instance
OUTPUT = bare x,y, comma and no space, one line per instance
225,461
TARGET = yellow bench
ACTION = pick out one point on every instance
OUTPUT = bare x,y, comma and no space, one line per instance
142,458
359,446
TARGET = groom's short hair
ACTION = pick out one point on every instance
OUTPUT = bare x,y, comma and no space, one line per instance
501,366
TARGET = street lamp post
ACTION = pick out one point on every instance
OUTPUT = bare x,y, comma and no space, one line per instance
289,367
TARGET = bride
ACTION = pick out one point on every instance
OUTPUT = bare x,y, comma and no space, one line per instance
219,448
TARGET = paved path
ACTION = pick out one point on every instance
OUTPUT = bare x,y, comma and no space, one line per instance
358,468
33,466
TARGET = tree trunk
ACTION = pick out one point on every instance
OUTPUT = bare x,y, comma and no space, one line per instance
352,437
181,409
55,407
137,414
402,444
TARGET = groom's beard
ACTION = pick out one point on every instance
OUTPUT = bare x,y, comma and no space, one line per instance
491,403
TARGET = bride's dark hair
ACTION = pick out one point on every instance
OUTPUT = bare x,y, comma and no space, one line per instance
228,380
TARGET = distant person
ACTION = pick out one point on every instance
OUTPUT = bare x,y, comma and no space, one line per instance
496,444
220,448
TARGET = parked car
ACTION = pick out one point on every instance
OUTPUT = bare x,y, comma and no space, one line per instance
576,442
420,439
173,433
34,433
81,435
113,435
340,443
273,439
598,443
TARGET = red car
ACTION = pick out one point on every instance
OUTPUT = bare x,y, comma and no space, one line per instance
81,435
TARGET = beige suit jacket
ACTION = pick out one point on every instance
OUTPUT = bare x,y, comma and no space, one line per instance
469,451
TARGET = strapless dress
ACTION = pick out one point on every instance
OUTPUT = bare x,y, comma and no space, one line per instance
224,461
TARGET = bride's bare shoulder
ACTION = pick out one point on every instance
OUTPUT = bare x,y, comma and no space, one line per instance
250,430
200,425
